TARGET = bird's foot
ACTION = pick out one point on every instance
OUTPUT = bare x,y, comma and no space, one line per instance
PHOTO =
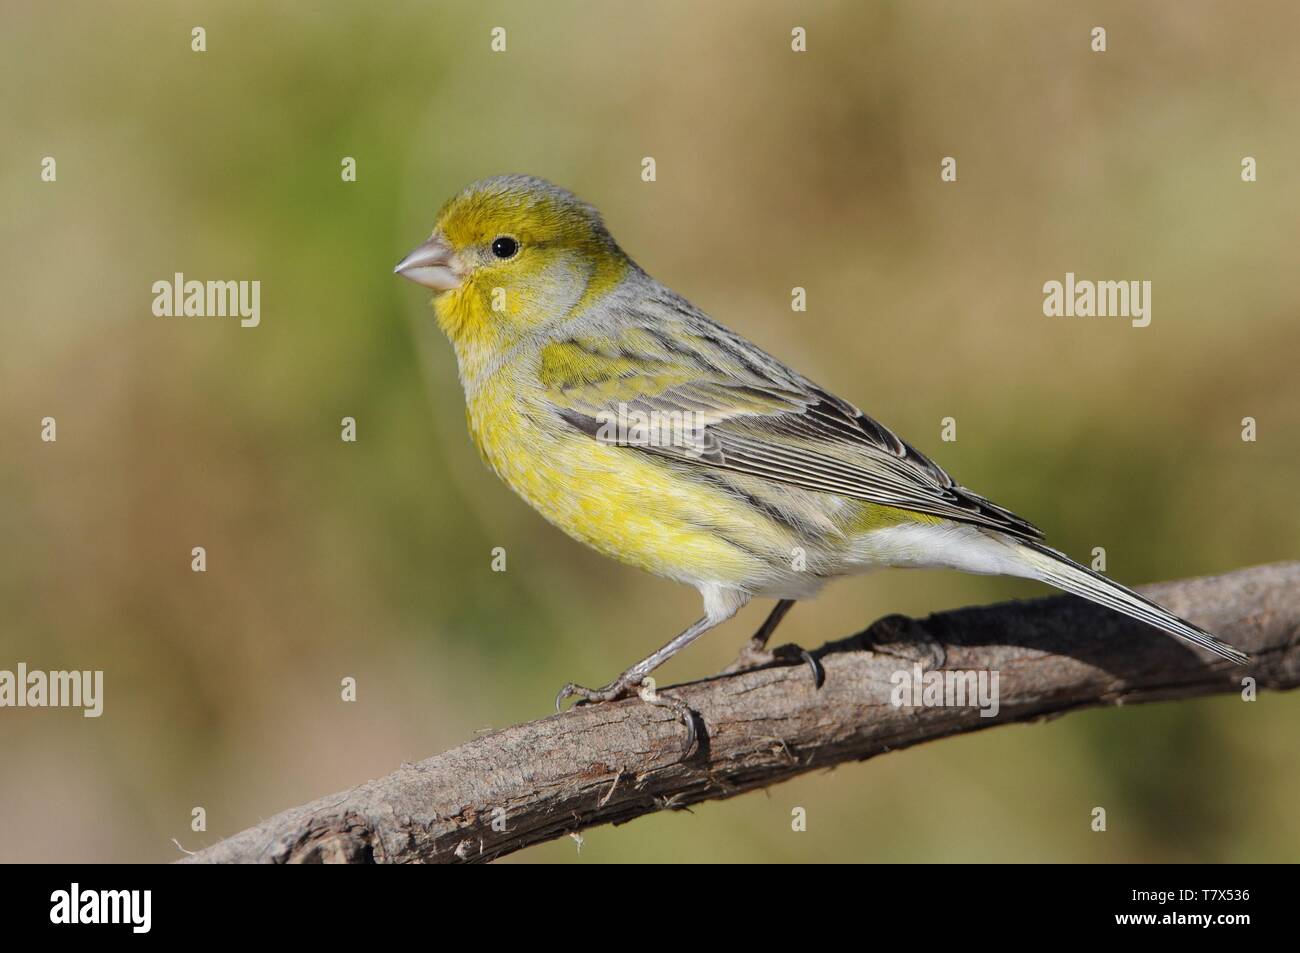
901,637
625,685
754,655
621,687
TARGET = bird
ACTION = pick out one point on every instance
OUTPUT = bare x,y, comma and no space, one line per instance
637,424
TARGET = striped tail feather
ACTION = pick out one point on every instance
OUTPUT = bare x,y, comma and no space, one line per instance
1059,570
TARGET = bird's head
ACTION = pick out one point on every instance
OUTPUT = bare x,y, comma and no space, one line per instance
512,254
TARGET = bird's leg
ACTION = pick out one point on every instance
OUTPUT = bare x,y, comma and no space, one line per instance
631,680
755,653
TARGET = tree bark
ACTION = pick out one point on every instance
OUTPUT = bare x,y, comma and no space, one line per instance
613,762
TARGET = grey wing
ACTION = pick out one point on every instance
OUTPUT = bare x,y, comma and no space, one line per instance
765,420
885,469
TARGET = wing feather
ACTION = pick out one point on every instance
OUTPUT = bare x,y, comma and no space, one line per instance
748,413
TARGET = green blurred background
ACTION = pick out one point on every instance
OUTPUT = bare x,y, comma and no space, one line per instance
775,169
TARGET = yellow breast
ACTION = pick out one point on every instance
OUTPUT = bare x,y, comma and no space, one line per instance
625,504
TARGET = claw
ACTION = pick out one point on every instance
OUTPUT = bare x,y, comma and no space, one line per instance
607,694
818,673
647,694
650,696
751,657
688,718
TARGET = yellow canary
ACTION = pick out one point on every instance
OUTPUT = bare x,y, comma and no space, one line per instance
635,423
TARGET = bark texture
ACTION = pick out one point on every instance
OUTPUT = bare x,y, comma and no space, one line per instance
611,763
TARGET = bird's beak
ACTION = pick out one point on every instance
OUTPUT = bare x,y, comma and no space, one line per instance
432,264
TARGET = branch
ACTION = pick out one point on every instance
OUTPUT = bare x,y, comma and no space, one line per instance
610,763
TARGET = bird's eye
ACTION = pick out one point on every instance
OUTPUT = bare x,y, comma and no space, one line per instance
505,247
